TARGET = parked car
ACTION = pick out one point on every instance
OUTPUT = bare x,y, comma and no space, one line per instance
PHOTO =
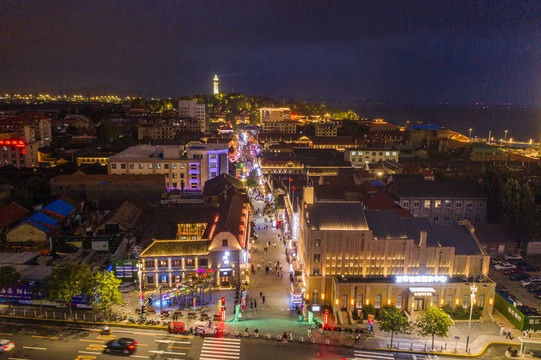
514,270
504,266
537,294
6,345
122,345
533,287
514,299
519,276
527,267
529,281
513,257
502,289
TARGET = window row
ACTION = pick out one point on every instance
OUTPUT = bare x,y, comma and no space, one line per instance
149,166
436,204
149,264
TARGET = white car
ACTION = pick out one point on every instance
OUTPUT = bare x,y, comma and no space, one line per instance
6,345
513,257
504,266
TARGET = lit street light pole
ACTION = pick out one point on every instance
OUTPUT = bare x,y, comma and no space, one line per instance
505,136
140,277
473,290
470,131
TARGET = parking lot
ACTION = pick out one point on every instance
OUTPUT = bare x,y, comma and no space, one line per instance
522,294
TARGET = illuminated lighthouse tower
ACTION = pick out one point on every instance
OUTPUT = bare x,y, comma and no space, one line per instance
215,82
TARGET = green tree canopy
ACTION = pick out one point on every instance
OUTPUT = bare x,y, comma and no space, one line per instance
393,321
520,212
434,322
67,281
106,292
8,276
251,180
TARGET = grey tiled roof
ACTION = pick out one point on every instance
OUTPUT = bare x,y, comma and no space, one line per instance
458,237
438,189
385,224
413,227
336,216
177,247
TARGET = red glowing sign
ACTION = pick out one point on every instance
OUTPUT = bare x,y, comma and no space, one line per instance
13,142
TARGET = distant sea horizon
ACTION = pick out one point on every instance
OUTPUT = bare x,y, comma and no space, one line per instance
522,122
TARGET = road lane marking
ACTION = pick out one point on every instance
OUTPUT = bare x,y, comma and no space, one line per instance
45,337
7,335
90,352
16,359
91,340
140,356
34,348
218,351
173,342
217,357
184,336
142,344
178,347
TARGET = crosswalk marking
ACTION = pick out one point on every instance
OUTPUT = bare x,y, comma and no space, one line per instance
220,349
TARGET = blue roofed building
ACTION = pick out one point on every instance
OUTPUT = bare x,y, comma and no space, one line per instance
37,228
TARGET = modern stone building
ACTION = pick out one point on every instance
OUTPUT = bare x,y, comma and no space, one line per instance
353,257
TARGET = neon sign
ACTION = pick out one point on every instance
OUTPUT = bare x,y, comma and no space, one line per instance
295,227
225,258
421,279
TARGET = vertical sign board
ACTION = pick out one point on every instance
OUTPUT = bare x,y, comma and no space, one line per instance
126,269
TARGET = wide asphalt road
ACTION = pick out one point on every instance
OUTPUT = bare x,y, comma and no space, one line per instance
58,342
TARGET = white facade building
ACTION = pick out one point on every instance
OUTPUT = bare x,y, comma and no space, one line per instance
191,109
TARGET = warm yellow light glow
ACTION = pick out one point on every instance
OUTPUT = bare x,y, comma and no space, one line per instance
322,296
441,301
457,301
306,296
336,301
412,305
388,301
352,302
367,301
490,301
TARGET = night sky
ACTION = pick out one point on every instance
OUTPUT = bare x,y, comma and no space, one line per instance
398,51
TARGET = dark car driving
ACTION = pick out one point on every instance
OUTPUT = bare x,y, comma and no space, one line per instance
122,345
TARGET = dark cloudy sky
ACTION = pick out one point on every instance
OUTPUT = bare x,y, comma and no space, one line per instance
402,51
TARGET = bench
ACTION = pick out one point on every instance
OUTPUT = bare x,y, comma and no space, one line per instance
204,316
191,315
216,317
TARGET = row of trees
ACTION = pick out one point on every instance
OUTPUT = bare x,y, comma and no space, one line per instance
512,200
433,322
69,280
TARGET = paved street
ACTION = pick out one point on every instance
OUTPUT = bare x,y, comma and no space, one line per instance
40,342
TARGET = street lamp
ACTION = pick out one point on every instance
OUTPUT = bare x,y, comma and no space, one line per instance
470,131
505,136
473,290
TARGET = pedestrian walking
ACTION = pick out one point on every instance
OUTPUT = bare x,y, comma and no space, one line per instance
502,330
260,294
255,303
309,331
263,299
290,336
251,304
509,334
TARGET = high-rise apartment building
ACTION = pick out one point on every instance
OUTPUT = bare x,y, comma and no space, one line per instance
277,119
191,109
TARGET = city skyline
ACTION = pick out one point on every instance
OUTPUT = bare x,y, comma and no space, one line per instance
423,52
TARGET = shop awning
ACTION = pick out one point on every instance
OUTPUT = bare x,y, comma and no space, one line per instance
422,291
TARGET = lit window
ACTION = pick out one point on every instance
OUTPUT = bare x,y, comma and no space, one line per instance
437,204
427,204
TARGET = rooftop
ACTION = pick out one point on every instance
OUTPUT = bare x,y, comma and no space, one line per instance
176,247
336,216
404,188
138,152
